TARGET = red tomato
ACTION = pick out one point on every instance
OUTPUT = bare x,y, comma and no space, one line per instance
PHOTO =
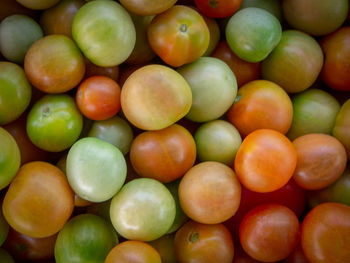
98,98
218,8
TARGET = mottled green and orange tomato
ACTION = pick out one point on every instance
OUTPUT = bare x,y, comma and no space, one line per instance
147,7
39,200
15,93
341,129
164,155
261,104
295,63
38,4
336,70
200,243
155,97
54,64
179,35
218,8
132,251
210,193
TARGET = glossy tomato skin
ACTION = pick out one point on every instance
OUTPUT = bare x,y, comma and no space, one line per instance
85,238
325,233
218,8
39,200
54,123
200,243
133,252
341,129
269,232
165,155
179,35
147,7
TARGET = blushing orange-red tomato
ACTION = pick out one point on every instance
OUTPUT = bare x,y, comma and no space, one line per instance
179,35
265,161
98,98
133,252
39,200
261,104
243,70
94,70
321,160
200,243
209,193
218,8
164,155
325,233
269,232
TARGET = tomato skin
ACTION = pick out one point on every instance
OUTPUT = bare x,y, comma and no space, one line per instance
179,35
38,4
269,232
297,256
200,243
147,7
325,233
218,8
272,6
39,200
341,128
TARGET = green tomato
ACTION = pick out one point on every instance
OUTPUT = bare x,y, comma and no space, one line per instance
5,257
213,85
115,130
4,228
252,33
85,239
96,170
143,210
272,6
15,92
10,158
54,123
104,32
341,129
17,34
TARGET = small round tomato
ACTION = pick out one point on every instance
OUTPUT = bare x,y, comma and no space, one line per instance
179,35
325,233
341,129
147,7
165,248
210,193
38,4
133,252
200,243
218,8
39,200
269,232
265,161
214,33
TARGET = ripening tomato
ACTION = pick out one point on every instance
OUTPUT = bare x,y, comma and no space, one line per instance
218,8
39,200
179,35
147,7
272,6
214,34
341,128
38,4
269,232
241,256
265,161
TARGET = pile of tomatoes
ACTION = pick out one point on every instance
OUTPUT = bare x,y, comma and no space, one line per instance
190,131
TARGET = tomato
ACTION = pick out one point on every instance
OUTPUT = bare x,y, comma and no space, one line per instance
4,228
179,35
27,248
147,7
17,34
85,238
315,111
98,97
325,233
94,70
315,17
218,8
295,63
59,18
115,130
104,32
214,34
272,6
96,170
133,252
5,257
242,257
269,232
209,100
200,243
297,256
262,170
243,70
54,123
341,128
15,93
165,248
252,33
218,141
261,104
10,158
143,210
321,161
39,200
155,97
38,4
210,193
165,155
